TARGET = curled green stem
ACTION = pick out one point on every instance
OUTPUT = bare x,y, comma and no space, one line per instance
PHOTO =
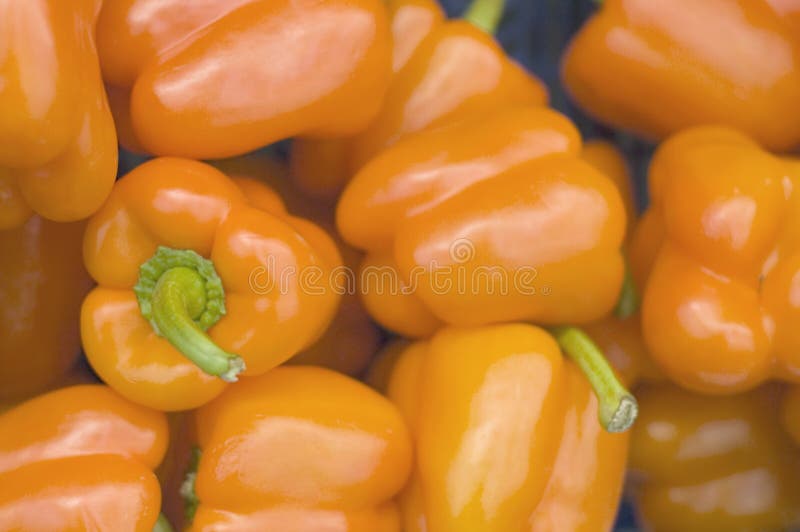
187,491
628,302
181,295
486,14
617,406
162,524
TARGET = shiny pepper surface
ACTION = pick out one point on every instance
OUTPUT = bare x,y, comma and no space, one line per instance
351,339
548,465
195,251
322,168
42,284
58,149
489,220
80,458
299,449
457,71
658,67
718,253
221,78
703,464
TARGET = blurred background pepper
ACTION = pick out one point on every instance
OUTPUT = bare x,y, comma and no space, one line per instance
58,145
81,458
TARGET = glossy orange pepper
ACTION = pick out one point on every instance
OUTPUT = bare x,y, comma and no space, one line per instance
180,249
322,167
606,157
221,78
657,67
299,449
351,339
507,436
489,220
718,254
704,464
436,85
42,284
58,149
80,458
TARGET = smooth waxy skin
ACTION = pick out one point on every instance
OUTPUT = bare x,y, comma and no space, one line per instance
80,458
719,253
654,68
301,445
58,148
352,338
453,206
438,85
218,79
189,205
81,420
435,87
322,167
96,492
607,158
42,284
550,464
712,463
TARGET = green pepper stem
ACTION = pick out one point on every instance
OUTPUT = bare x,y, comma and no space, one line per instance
628,302
617,406
162,524
181,295
187,491
486,14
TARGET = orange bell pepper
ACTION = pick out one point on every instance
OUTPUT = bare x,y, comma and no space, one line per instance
507,437
704,463
42,284
717,255
299,449
221,78
435,84
179,250
321,167
80,458
488,220
351,339
58,149
657,67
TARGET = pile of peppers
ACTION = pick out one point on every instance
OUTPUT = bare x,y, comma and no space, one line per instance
339,266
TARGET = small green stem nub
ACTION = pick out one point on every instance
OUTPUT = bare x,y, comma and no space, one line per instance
181,295
162,524
486,14
190,500
617,406
628,302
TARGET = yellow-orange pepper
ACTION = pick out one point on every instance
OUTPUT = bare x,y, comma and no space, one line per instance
703,464
434,86
42,284
507,436
80,458
58,149
717,256
488,220
658,67
220,78
298,449
351,339
179,249
321,167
